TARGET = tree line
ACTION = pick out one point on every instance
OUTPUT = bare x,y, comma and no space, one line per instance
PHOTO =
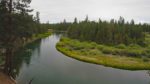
62,26
111,32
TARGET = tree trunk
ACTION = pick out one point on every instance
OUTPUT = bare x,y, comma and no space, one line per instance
10,6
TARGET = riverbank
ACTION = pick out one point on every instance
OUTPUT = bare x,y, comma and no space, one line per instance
99,54
5,79
21,43
37,37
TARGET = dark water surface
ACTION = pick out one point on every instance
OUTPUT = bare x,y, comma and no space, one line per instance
43,64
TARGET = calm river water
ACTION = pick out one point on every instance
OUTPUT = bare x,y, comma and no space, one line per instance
43,64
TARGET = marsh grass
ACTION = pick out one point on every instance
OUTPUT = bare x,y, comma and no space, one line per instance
132,57
43,35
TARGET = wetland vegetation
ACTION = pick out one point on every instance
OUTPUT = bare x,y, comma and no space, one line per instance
116,43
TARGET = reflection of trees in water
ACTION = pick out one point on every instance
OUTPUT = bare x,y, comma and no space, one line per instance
13,63
58,34
148,72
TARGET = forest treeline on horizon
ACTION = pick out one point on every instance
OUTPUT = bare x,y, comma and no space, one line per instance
111,32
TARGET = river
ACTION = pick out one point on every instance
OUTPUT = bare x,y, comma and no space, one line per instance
41,63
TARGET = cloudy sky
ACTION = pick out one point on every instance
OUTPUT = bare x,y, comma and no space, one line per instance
56,10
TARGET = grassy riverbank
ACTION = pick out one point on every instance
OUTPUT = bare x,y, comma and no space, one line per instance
39,36
131,57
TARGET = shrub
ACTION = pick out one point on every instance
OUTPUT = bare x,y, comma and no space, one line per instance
88,45
147,53
118,52
100,47
134,46
108,50
77,46
145,59
93,44
121,46
94,52
133,52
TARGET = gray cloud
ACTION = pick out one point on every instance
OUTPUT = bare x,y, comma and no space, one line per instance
57,10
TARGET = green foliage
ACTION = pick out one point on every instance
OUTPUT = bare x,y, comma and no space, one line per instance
121,46
109,50
100,47
44,35
122,57
16,23
134,46
60,26
145,59
109,33
133,50
1,58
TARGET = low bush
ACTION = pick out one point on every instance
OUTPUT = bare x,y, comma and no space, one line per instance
121,46
94,52
134,46
100,47
145,59
108,50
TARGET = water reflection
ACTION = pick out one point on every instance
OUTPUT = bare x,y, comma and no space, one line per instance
59,34
15,62
148,72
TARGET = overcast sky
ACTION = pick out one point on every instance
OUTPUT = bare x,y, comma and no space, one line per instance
57,10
